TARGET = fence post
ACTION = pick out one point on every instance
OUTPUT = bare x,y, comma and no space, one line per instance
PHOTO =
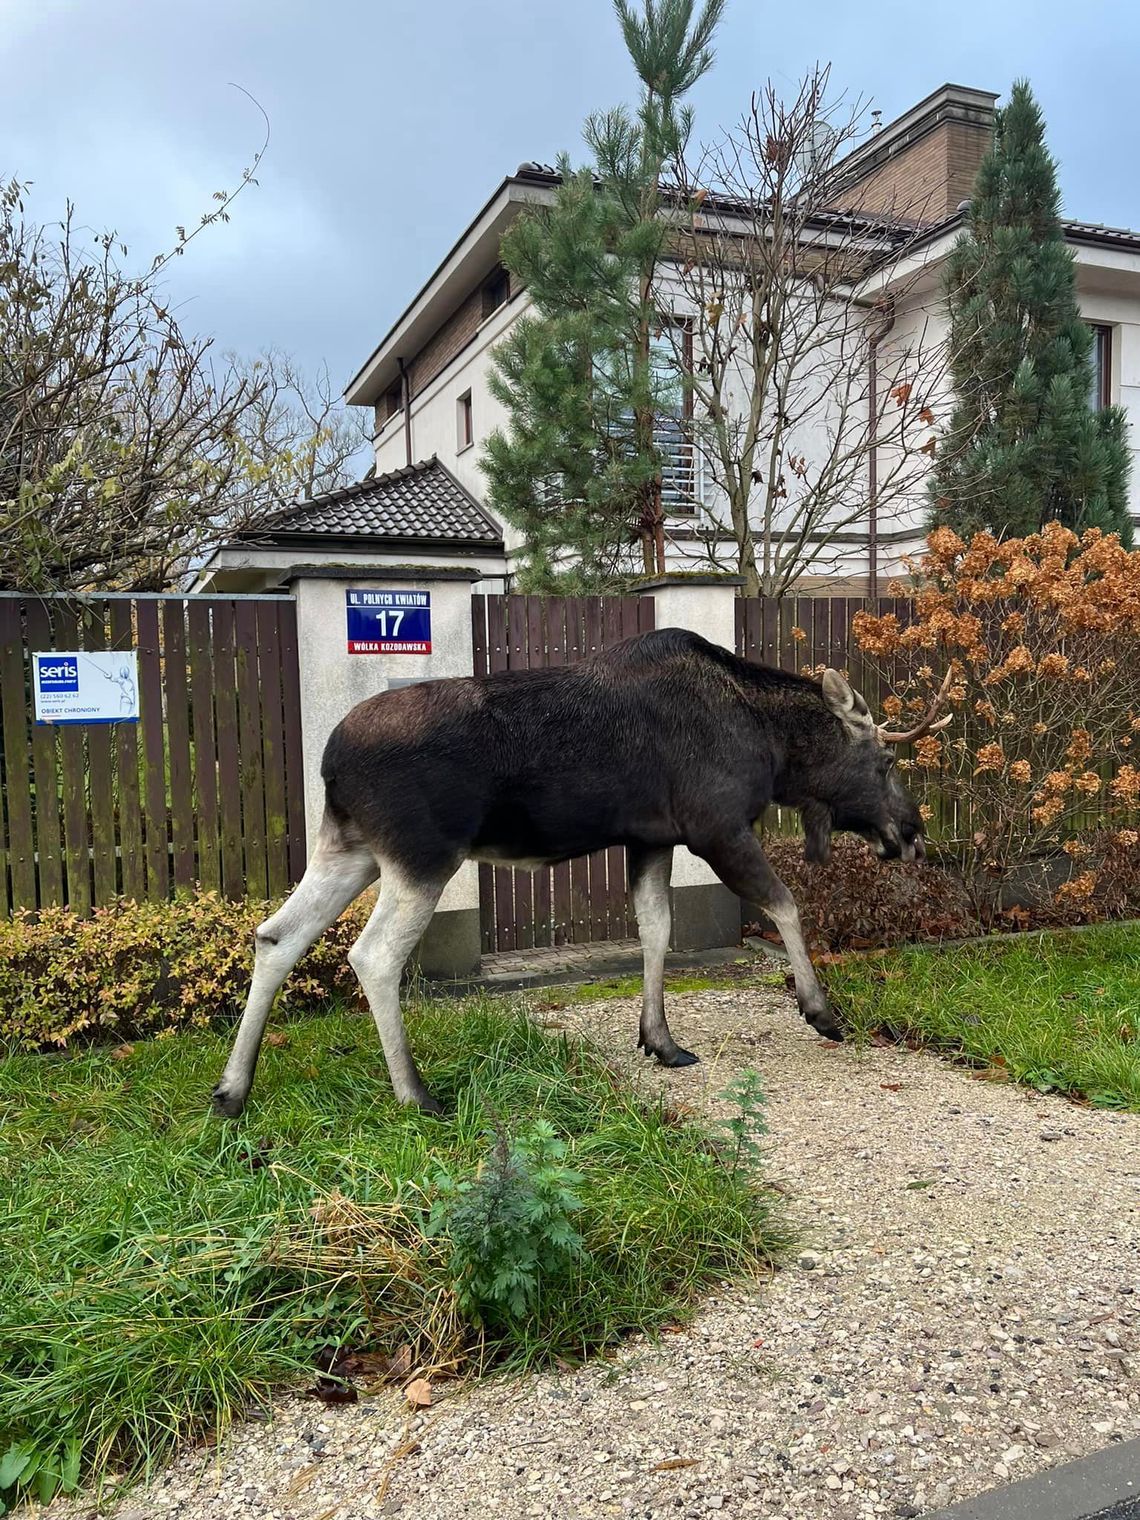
706,915
333,680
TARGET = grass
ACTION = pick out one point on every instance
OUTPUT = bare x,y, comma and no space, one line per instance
161,1269
1058,1011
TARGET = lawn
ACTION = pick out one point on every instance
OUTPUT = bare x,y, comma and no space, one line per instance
161,1269
1058,1011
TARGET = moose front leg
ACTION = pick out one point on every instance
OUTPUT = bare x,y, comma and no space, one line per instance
743,867
649,873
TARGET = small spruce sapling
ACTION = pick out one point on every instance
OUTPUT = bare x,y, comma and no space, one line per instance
747,1126
510,1227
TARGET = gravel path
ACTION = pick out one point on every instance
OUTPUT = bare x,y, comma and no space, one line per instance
964,1309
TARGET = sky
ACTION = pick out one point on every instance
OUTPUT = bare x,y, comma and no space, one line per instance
391,123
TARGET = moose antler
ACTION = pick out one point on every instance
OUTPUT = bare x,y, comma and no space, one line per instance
927,725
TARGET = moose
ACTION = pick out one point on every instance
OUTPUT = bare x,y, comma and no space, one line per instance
662,740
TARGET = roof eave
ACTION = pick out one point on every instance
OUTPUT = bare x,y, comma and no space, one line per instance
478,244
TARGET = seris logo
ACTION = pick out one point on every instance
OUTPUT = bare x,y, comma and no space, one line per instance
56,673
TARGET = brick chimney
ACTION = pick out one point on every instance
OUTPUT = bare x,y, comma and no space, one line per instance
922,166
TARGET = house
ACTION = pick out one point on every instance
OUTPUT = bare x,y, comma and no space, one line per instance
426,381
419,514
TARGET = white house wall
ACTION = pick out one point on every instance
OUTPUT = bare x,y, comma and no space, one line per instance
1109,291
435,412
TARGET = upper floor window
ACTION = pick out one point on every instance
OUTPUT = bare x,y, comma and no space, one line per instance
465,429
393,400
496,289
671,358
1100,393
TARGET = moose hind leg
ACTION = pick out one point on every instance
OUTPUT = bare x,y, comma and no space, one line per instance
650,871
743,867
402,913
337,873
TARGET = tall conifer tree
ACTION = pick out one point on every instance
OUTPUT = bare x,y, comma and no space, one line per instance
1024,445
578,469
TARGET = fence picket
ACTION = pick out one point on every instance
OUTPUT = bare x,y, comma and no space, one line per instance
45,771
14,710
229,754
294,755
205,746
100,775
157,843
249,741
272,748
175,677
128,794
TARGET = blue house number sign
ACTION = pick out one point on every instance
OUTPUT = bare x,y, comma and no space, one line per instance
388,622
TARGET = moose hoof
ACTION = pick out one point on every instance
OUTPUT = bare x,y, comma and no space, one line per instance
226,1102
429,1105
670,1055
825,1023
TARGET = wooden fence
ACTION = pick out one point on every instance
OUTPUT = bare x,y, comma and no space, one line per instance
206,787
581,900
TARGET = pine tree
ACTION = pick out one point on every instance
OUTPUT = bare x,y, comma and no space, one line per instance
578,470
1024,446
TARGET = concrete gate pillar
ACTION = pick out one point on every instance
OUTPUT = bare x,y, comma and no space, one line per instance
334,679
706,915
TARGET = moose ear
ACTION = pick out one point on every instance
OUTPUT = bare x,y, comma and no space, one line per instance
846,703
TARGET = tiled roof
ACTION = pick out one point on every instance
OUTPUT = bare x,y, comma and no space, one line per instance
423,501
868,224
1097,232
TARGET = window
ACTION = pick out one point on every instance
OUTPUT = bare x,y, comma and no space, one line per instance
393,400
496,290
465,428
1100,394
671,354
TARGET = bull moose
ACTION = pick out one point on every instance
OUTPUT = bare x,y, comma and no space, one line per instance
662,740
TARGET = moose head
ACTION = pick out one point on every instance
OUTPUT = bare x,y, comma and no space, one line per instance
856,785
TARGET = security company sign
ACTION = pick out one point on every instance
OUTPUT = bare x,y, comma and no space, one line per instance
86,686
388,622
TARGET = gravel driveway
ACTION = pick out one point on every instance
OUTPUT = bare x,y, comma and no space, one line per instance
963,1310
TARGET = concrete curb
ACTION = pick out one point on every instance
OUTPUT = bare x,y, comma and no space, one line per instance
1105,1486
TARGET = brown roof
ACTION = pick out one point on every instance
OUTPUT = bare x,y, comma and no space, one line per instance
422,502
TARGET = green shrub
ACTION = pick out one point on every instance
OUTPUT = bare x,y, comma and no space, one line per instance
138,968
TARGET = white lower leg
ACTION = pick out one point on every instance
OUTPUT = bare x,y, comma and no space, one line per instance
334,877
809,994
654,925
399,919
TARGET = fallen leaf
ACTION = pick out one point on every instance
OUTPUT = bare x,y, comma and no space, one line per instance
890,1086
276,1039
418,1393
671,1464
401,1364
122,1052
758,1342
830,1044
923,1182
